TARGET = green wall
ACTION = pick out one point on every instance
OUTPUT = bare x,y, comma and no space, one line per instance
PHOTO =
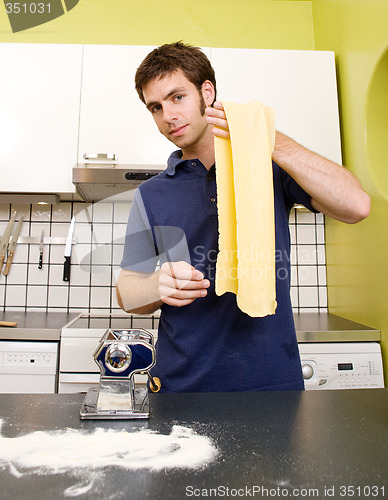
357,255
220,23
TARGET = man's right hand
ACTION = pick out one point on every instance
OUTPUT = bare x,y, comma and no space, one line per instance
180,284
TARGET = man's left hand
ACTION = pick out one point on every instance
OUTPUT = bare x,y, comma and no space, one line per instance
215,116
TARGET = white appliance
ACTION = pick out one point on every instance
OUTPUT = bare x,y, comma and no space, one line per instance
78,371
336,365
28,367
326,365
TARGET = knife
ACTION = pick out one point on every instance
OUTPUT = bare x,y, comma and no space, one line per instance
5,239
12,245
41,251
69,241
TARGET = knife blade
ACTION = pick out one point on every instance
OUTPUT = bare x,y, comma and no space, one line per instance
12,245
69,241
40,265
5,239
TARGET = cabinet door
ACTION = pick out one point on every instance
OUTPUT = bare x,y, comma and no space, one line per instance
113,119
39,102
300,85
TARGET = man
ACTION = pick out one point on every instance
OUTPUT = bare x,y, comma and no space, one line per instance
205,342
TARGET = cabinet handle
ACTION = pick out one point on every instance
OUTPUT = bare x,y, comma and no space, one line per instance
100,156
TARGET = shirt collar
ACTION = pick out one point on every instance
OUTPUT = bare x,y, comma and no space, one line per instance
174,160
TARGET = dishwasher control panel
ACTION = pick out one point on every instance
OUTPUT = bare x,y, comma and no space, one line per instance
347,365
28,357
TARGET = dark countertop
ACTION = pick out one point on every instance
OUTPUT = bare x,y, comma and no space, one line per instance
34,325
279,441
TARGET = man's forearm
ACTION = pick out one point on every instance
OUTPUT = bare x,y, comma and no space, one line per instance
334,190
138,293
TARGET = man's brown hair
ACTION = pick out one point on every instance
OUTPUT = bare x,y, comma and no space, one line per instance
170,57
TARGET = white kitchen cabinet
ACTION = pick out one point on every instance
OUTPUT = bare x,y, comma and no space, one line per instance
299,84
39,103
113,119
61,102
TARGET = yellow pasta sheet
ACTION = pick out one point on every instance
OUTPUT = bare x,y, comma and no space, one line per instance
246,259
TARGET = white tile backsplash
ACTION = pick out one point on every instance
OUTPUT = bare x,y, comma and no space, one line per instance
322,275
307,275
305,234
4,215
102,278
61,212
56,275
38,276
321,254
100,234
120,213
322,292
60,229
21,254
83,212
58,296
36,296
79,296
17,274
57,253
80,275
118,251
15,296
305,217
41,213
103,212
80,254
308,296
22,209
320,231
294,297
100,297
306,254
119,231
82,232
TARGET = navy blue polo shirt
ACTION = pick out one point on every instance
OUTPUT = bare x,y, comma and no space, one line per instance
210,344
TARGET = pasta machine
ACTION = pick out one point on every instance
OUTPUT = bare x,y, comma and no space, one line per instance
120,355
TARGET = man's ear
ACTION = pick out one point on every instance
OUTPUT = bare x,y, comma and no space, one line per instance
208,92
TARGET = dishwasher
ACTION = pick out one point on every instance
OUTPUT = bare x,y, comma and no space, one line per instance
28,367
29,351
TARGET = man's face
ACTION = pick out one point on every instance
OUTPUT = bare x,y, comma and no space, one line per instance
178,108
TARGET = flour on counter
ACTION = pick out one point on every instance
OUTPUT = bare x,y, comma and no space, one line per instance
54,452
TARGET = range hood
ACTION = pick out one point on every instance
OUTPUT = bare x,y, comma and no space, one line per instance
96,181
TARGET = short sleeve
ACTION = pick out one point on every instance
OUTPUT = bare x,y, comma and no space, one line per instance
140,253
294,193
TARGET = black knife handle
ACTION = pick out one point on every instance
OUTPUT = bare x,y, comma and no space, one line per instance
66,269
40,265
